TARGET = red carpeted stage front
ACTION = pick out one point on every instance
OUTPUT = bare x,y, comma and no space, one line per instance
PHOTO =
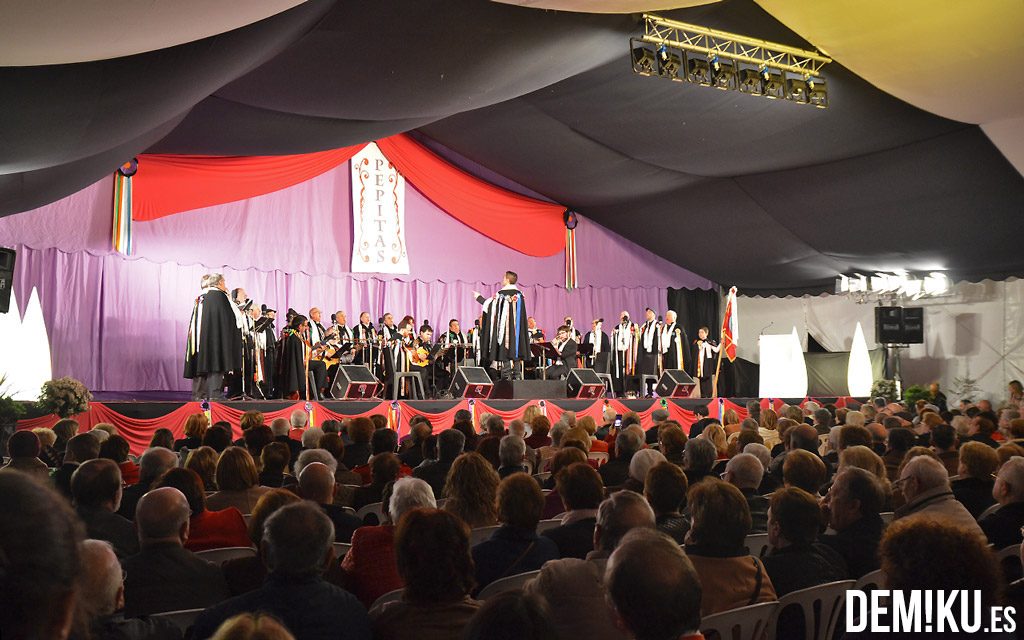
136,420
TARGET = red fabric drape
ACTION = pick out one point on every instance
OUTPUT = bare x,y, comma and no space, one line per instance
506,416
167,184
595,411
497,213
439,421
137,431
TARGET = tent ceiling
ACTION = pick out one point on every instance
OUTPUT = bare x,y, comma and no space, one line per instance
764,194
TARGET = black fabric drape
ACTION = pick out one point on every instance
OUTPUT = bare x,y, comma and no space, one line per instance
696,308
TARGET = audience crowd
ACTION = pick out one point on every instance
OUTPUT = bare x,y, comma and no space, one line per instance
346,531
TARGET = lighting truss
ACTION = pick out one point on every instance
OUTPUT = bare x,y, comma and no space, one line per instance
893,286
730,61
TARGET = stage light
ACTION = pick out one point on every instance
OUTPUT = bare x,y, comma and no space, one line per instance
936,284
723,74
774,86
796,90
750,82
818,93
643,60
893,285
714,58
699,71
669,63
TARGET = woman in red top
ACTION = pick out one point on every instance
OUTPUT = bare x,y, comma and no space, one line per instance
116,448
206,529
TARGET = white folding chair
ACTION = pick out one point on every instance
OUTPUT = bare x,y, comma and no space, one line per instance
374,508
542,477
821,606
248,519
222,555
600,456
887,516
869,581
390,596
544,525
744,623
182,619
478,535
340,549
757,544
440,503
511,583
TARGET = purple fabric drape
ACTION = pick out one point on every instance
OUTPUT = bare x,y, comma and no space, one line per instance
119,324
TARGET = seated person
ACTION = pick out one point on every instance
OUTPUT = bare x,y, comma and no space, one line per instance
207,529
96,492
515,547
852,509
1003,526
581,490
566,348
432,549
729,575
797,560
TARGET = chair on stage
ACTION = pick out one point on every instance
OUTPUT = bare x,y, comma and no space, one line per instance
644,379
415,384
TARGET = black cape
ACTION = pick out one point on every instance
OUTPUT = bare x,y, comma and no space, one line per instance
517,343
291,376
220,341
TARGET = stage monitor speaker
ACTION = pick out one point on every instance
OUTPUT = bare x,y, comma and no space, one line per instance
584,383
6,278
355,382
471,382
675,383
899,325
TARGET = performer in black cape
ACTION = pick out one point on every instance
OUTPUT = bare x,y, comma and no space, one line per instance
566,346
648,347
267,339
295,352
599,359
214,343
704,353
503,336
673,340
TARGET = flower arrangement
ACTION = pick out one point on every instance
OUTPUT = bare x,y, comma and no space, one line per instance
64,397
885,389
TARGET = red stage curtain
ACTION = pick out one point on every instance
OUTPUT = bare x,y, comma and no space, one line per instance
497,213
506,416
167,184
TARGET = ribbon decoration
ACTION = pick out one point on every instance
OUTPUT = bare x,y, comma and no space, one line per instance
571,219
122,227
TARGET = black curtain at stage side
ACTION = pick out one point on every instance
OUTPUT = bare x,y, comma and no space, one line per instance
696,308
744,378
826,372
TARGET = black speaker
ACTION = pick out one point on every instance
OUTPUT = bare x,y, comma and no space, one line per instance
6,278
471,382
675,383
584,383
888,325
899,325
355,382
913,325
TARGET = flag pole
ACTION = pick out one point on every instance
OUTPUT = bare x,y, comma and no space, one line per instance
721,344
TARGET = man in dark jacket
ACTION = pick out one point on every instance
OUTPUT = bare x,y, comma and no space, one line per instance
851,509
797,561
1002,526
316,483
96,490
582,491
297,549
449,446
153,464
80,448
165,576
615,472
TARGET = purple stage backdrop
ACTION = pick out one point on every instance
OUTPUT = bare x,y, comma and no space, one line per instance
118,324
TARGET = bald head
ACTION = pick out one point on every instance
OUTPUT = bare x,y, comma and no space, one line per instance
744,471
102,587
316,482
97,483
619,514
162,516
